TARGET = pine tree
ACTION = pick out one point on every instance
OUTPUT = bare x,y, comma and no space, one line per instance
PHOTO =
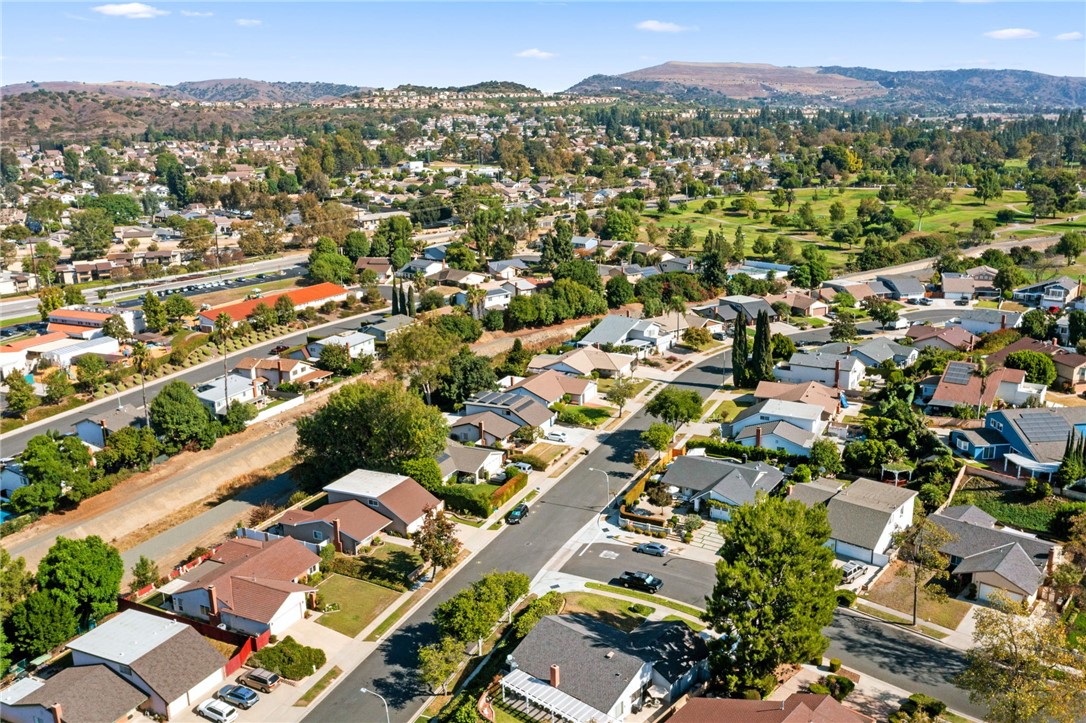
761,361
411,301
403,301
740,350
395,298
739,251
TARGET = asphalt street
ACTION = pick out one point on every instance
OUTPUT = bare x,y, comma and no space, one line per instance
14,442
685,580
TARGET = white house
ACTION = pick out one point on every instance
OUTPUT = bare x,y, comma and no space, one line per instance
985,321
864,517
358,344
219,393
833,370
641,335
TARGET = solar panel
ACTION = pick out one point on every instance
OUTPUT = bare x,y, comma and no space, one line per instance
958,373
1044,427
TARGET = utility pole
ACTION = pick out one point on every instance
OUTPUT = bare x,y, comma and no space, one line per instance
218,260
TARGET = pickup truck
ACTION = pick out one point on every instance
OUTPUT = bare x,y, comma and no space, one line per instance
641,581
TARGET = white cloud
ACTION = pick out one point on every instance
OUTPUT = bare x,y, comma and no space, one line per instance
135,11
1012,34
660,26
1069,36
248,22
196,14
536,53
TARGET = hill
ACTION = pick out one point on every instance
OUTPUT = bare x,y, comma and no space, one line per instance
931,91
260,91
116,89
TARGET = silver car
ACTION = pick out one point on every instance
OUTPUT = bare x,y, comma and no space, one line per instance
652,548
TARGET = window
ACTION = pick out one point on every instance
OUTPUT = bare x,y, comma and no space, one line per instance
963,445
318,535
373,503
988,453
124,670
997,425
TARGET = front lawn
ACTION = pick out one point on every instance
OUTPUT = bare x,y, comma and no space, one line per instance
547,452
391,563
895,591
612,611
594,416
727,410
359,603
1012,506
638,385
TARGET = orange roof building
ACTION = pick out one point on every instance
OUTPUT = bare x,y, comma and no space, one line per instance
303,298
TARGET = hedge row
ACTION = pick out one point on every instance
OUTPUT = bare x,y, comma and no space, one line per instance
466,499
719,448
289,658
635,492
505,493
537,464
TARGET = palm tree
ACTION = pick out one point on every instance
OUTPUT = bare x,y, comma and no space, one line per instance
983,371
224,326
141,359
675,303
475,297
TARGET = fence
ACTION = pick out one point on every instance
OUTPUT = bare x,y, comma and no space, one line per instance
292,401
628,523
1003,479
264,536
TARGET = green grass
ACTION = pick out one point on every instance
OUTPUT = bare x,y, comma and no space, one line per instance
1012,506
1076,635
392,563
612,611
42,412
696,627
815,322
391,620
318,687
661,601
727,410
603,385
890,618
595,415
359,603
21,320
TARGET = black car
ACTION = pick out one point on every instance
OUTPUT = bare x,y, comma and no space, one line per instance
641,581
279,349
961,302
516,514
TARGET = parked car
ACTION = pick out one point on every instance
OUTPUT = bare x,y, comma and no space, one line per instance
961,302
238,695
556,435
652,548
279,349
641,581
851,571
924,301
516,514
263,680
523,467
216,710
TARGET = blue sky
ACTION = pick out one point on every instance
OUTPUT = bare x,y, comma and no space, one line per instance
548,45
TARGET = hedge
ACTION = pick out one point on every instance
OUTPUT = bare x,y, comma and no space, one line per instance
635,492
467,499
505,493
289,658
719,448
369,570
537,464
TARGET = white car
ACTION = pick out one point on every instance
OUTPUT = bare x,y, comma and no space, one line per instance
556,435
523,467
216,710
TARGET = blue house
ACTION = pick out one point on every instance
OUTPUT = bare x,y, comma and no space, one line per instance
1030,442
979,444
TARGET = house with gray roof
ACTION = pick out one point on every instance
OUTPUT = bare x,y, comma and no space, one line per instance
469,464
902,287
729,307
873,352
721,484
864,517
995,559
524,410
388,327
985,321
834,370
584,670
642,336
84,694
1053,293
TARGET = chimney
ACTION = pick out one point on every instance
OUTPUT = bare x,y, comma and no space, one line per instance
757,436
1003,321
482,433
555,676
337,541
848,349
837,374
58,713
213,602
1055,341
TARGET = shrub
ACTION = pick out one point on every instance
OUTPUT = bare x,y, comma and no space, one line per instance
290,659
846,598
835,664
818,689
536,610
839,686
467,499
918,701
640,609
514,484
751,694
573,417
537,464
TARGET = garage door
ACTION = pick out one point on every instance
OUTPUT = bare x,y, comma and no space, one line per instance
985,591
288,615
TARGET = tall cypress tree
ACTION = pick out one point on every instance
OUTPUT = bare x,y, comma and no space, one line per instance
740,350
411,301
761,361
395,297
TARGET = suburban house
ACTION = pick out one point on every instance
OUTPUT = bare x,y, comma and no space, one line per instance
497,297
307,297
805,392
776,424
679,323
873,352
959,286
550,387
507,269
856,289
459,462
167,660
1070,367
903,288
520,408
801,304
96,431
486,428
679,263
643,336
951,338
864,517
780,435
719,483
457,277
379,265
419,267
832,370
520,287
584,361
401,499
348,525
796,708
730,307
585,244
64,355
985,321
1052,294
992,558
251,586
962,384
277,370
388,327
581,669
1032,440
219,393
84,694
982,273
358,344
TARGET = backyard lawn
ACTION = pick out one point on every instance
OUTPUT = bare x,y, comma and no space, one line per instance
608,609
359,603
896,592
1012,506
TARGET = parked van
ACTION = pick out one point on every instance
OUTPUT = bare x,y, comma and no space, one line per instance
263,680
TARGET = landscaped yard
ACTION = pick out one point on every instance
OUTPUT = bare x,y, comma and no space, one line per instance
359,603
547,452
895,591
603,385
595,415
728,409
608,609
1076,635
1012,506
391,563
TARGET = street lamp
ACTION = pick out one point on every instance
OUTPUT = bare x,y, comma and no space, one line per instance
606,497
367,690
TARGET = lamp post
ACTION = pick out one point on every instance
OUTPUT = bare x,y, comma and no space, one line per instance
367,690
606,497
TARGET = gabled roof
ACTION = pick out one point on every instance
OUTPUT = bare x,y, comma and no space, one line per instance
999,317
782,408
797,708
952,391
806,392
878,350
736,481
355,519
614,329
491,422
816,492
973,533
859,513
780,428
551,385
586,360
955,336
1008,561
819,360
903,285
523,406
86,694
458,457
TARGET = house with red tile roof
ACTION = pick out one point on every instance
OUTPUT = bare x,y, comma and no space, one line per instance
796,708
307,297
